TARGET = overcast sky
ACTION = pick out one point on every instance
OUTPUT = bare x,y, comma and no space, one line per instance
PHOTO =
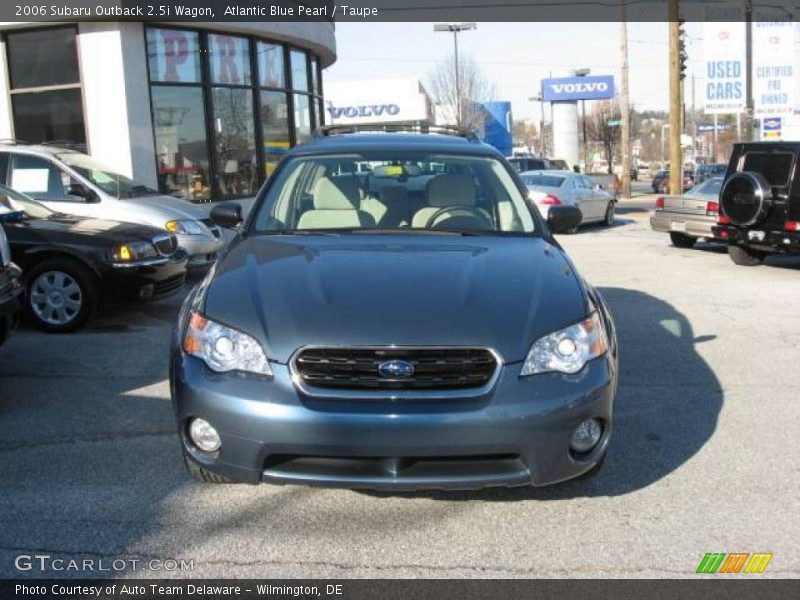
516,56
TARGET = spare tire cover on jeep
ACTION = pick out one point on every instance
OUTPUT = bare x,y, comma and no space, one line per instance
746,198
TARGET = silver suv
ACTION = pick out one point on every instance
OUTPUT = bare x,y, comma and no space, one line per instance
71,182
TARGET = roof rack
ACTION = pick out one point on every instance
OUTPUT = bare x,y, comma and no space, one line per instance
415,127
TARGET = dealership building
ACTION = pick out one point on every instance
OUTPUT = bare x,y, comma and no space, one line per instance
202,112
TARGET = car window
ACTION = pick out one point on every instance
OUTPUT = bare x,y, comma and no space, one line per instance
710,187
39,178
11,201
774,166
103,177
475,194
543,180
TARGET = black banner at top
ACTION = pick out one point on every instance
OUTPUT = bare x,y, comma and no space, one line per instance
391,10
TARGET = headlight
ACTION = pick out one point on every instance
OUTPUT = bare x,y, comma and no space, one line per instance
222,348
185,227
133,251
568,350
5,249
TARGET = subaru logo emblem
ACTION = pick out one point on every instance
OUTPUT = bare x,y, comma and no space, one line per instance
396,369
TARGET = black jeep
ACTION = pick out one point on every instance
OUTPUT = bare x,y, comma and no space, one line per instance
760,201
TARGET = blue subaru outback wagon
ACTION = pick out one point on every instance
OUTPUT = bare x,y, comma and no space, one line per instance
394,314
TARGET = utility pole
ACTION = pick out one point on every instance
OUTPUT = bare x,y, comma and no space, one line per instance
694,123
625,126
675,154
455,29
748,71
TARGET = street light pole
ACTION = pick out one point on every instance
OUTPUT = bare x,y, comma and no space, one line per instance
455,29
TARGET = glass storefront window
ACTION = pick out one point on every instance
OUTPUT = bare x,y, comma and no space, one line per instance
299,71
302,118
181,141
270,63
229,60
173,55
42,57
226,109
274,128
234,136
49,116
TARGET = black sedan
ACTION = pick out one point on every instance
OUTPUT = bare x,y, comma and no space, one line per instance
72,263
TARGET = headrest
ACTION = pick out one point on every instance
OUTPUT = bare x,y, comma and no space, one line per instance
340,193
451,189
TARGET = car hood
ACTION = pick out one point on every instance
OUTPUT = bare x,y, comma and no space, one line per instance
293,291
169,207
95,232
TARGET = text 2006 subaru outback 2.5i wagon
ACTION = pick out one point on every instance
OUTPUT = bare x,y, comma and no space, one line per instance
394,314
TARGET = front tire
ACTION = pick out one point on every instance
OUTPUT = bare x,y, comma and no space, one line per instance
60,295
610,210
681,241
746,257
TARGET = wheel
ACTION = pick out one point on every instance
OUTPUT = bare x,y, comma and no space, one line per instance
681,241
200,474
609,220
60,295
746,257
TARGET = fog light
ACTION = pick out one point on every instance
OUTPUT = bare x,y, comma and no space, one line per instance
204,435
586,436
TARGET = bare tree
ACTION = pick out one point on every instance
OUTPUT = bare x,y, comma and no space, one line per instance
602,126
473,86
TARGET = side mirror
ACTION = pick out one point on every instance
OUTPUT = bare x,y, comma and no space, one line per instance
564,218
599,186
227,214
81,191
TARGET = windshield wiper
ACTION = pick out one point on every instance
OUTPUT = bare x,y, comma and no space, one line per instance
141,190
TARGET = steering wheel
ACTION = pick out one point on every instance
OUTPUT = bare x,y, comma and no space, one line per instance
453,211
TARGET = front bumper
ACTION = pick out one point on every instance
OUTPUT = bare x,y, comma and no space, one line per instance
760,239
150,280
516,434
201,250
693,225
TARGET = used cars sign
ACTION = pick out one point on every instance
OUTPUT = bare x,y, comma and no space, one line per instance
565,89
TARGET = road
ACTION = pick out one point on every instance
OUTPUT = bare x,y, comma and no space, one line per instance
704,456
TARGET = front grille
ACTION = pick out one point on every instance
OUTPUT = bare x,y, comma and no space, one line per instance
358,368
169,285
166,245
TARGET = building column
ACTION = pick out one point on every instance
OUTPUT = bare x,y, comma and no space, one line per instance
116,98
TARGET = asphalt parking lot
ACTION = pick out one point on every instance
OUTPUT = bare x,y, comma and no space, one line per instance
704,456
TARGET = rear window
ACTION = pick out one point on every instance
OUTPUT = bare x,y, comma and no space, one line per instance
543,180
776,167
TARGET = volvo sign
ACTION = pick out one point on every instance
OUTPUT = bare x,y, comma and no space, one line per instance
570,89
364,110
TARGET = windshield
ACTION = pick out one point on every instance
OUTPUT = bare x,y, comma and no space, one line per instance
11,201
104,178
543,180
392,191
710,187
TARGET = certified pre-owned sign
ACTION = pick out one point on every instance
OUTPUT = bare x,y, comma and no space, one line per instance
566,89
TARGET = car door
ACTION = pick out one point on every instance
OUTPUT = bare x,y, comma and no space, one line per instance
43,180
579,196
589,201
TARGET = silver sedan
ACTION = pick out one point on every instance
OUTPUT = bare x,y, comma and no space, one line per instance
690,216
552,188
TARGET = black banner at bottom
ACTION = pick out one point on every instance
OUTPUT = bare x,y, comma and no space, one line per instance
707,588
